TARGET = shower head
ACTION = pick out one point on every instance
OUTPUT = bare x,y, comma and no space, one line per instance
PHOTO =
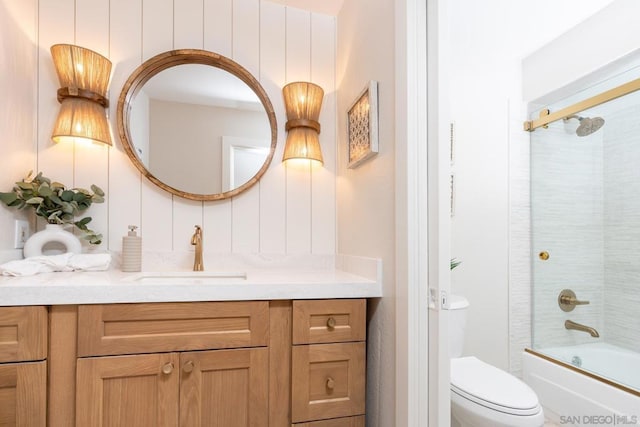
588,125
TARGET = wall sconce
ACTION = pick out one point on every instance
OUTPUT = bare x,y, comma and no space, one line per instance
84,81
302,101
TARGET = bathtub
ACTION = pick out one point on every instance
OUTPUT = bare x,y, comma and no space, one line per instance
574,396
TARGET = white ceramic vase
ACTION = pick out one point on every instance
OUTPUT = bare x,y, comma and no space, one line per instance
53,233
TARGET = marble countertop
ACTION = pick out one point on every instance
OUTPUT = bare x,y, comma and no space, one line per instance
337,277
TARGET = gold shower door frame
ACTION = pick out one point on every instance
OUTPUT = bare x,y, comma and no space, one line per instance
547,117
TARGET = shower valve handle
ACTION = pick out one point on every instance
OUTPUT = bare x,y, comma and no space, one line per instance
567,300
573,301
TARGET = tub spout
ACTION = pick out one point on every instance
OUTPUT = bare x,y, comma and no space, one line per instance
569,324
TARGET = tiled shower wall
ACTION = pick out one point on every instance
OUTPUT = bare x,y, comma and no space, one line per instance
567,222
586,214
622,227
291,210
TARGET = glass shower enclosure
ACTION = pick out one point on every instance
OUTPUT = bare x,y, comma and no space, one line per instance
585,222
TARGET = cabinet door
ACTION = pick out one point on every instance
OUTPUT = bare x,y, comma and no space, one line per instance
140,390
23,394
23,334
225,388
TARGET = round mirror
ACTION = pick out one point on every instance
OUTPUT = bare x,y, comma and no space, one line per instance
197,124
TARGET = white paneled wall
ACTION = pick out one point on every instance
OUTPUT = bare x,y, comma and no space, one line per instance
18,83
291,210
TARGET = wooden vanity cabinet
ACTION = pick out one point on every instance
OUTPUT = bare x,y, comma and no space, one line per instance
23,368
227,364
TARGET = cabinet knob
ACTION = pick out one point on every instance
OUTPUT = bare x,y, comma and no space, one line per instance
331,323
167,368
330,383
188,366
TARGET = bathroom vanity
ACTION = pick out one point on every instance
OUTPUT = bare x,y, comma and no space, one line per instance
162,359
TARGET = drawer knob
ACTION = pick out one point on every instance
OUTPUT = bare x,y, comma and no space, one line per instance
331,323
167,368
330,383
187,367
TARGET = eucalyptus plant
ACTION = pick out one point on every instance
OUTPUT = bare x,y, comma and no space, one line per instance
55,203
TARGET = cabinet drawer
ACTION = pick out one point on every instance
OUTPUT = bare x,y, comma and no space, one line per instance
336,422
23,334
327,321
113,329
328,381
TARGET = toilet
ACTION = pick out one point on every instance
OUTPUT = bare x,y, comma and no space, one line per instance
481,394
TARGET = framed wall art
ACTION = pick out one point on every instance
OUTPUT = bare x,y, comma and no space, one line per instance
362,126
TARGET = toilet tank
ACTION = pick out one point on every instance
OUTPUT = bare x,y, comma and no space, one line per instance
457,322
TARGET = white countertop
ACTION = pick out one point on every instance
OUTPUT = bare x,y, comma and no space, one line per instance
347,277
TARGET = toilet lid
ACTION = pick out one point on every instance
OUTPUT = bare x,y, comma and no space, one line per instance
492,387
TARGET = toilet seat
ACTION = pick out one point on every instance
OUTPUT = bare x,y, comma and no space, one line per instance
491,387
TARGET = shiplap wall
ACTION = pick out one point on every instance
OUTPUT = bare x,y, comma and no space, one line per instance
291,210
18,77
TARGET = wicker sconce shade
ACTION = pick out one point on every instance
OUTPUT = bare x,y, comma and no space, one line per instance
84,81
302,101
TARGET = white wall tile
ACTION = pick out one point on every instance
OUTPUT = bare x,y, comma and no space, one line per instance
622,224
567,221
585,213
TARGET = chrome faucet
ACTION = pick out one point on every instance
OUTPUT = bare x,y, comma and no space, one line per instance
569,324
196,240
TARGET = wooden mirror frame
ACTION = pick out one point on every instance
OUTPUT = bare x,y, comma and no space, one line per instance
172,58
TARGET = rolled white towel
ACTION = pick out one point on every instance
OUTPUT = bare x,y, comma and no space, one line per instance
53,263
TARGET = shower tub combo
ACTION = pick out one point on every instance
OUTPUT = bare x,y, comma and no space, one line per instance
586,384
585,219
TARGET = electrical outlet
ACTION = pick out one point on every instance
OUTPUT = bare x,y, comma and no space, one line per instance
21,233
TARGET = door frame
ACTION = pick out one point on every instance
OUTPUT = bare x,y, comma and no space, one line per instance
422,214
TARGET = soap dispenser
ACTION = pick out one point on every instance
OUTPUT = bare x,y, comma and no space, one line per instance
131,251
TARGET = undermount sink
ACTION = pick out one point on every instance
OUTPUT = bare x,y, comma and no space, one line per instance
188,277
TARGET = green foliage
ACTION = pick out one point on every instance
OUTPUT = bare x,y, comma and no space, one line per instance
54,202
455,263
